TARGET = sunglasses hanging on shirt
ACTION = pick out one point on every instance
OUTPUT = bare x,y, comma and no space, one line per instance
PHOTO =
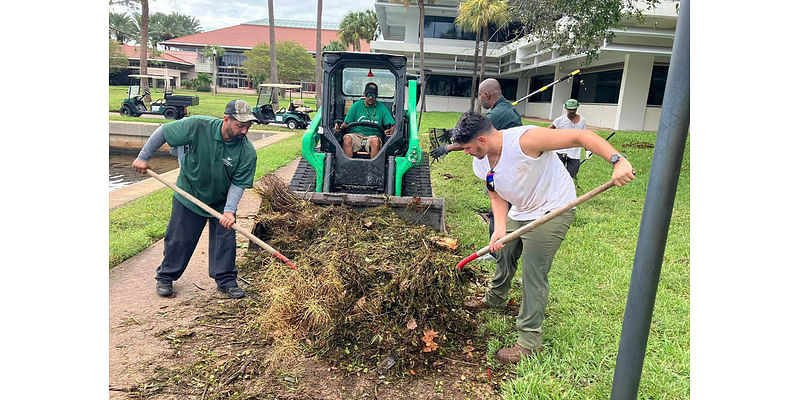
490,180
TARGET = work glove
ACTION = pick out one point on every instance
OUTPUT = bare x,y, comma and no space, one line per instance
438,152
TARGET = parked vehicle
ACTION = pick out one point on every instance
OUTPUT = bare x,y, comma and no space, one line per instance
295,117
171,106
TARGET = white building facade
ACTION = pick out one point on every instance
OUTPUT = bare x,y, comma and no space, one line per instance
622,89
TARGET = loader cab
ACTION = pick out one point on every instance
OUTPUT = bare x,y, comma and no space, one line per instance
346,75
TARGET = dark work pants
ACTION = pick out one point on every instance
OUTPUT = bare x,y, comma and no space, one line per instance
571,164
183,232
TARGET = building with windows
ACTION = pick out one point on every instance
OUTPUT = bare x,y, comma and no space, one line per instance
240,38
176,64
622,89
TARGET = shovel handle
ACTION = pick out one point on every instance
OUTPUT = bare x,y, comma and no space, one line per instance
216,214
547,217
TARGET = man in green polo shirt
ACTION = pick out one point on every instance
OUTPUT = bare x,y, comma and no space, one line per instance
217,163
366,137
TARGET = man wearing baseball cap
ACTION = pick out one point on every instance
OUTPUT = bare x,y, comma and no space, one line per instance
218,164
366,137
571,157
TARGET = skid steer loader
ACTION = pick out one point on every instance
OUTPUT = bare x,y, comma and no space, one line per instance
399,176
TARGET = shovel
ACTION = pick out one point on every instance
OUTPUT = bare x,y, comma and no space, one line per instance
547,217
216,214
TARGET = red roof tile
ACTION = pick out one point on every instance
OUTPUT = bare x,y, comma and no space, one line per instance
248,36
186,57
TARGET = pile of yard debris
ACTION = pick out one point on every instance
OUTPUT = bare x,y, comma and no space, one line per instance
370,290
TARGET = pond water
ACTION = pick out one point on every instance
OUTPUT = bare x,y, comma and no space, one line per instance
121,174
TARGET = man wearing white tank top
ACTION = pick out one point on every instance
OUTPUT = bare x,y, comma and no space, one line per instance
520,167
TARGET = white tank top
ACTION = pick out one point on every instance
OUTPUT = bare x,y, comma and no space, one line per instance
533,186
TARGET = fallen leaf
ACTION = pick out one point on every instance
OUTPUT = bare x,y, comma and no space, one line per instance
445,242
430,345
411,324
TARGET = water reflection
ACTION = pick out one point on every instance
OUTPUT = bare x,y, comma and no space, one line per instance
121,174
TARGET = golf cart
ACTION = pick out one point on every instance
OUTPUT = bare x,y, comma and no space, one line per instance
171,106
399,175
294,117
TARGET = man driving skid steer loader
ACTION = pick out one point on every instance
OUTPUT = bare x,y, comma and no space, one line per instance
366,138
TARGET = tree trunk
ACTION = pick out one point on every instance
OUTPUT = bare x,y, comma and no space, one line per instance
318,84
485,43
273,55
143,44
474,93
422,50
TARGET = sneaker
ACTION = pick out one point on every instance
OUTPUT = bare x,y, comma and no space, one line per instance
164,289
514,354
233,292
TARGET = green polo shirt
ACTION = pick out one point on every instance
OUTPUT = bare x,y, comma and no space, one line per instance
379,114
503,115
211,164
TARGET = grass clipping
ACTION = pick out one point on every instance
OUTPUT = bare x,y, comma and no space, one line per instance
369,286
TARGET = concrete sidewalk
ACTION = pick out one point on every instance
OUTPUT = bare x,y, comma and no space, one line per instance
125,195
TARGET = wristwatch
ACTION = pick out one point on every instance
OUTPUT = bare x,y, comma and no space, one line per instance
615,157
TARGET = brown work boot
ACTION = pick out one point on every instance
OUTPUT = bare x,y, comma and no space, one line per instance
475,305
514,354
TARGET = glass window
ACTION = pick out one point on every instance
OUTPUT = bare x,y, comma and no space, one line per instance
443,85
355,79
445,28
538,82
598,87
461,86
658,82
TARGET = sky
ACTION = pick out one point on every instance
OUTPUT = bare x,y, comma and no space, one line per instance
214,14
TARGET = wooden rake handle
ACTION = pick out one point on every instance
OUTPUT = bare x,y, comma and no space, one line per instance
216,214
533,224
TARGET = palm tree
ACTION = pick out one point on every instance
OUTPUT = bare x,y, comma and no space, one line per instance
120,27
357,26
350,30
214,52
318,82
168,26
143,42
273,55
476,16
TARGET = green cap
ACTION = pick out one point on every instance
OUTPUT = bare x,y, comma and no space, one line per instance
571,104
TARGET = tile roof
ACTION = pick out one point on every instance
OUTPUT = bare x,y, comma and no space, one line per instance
248,35
186,57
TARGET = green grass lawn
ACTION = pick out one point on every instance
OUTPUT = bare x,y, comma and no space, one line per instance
589,278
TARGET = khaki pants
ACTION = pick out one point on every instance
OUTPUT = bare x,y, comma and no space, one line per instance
537,248
362,142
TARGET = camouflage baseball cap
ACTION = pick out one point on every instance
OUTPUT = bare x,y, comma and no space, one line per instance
240,110
571,104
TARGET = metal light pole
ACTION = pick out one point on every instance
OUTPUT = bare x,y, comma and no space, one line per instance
215,71
673,128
